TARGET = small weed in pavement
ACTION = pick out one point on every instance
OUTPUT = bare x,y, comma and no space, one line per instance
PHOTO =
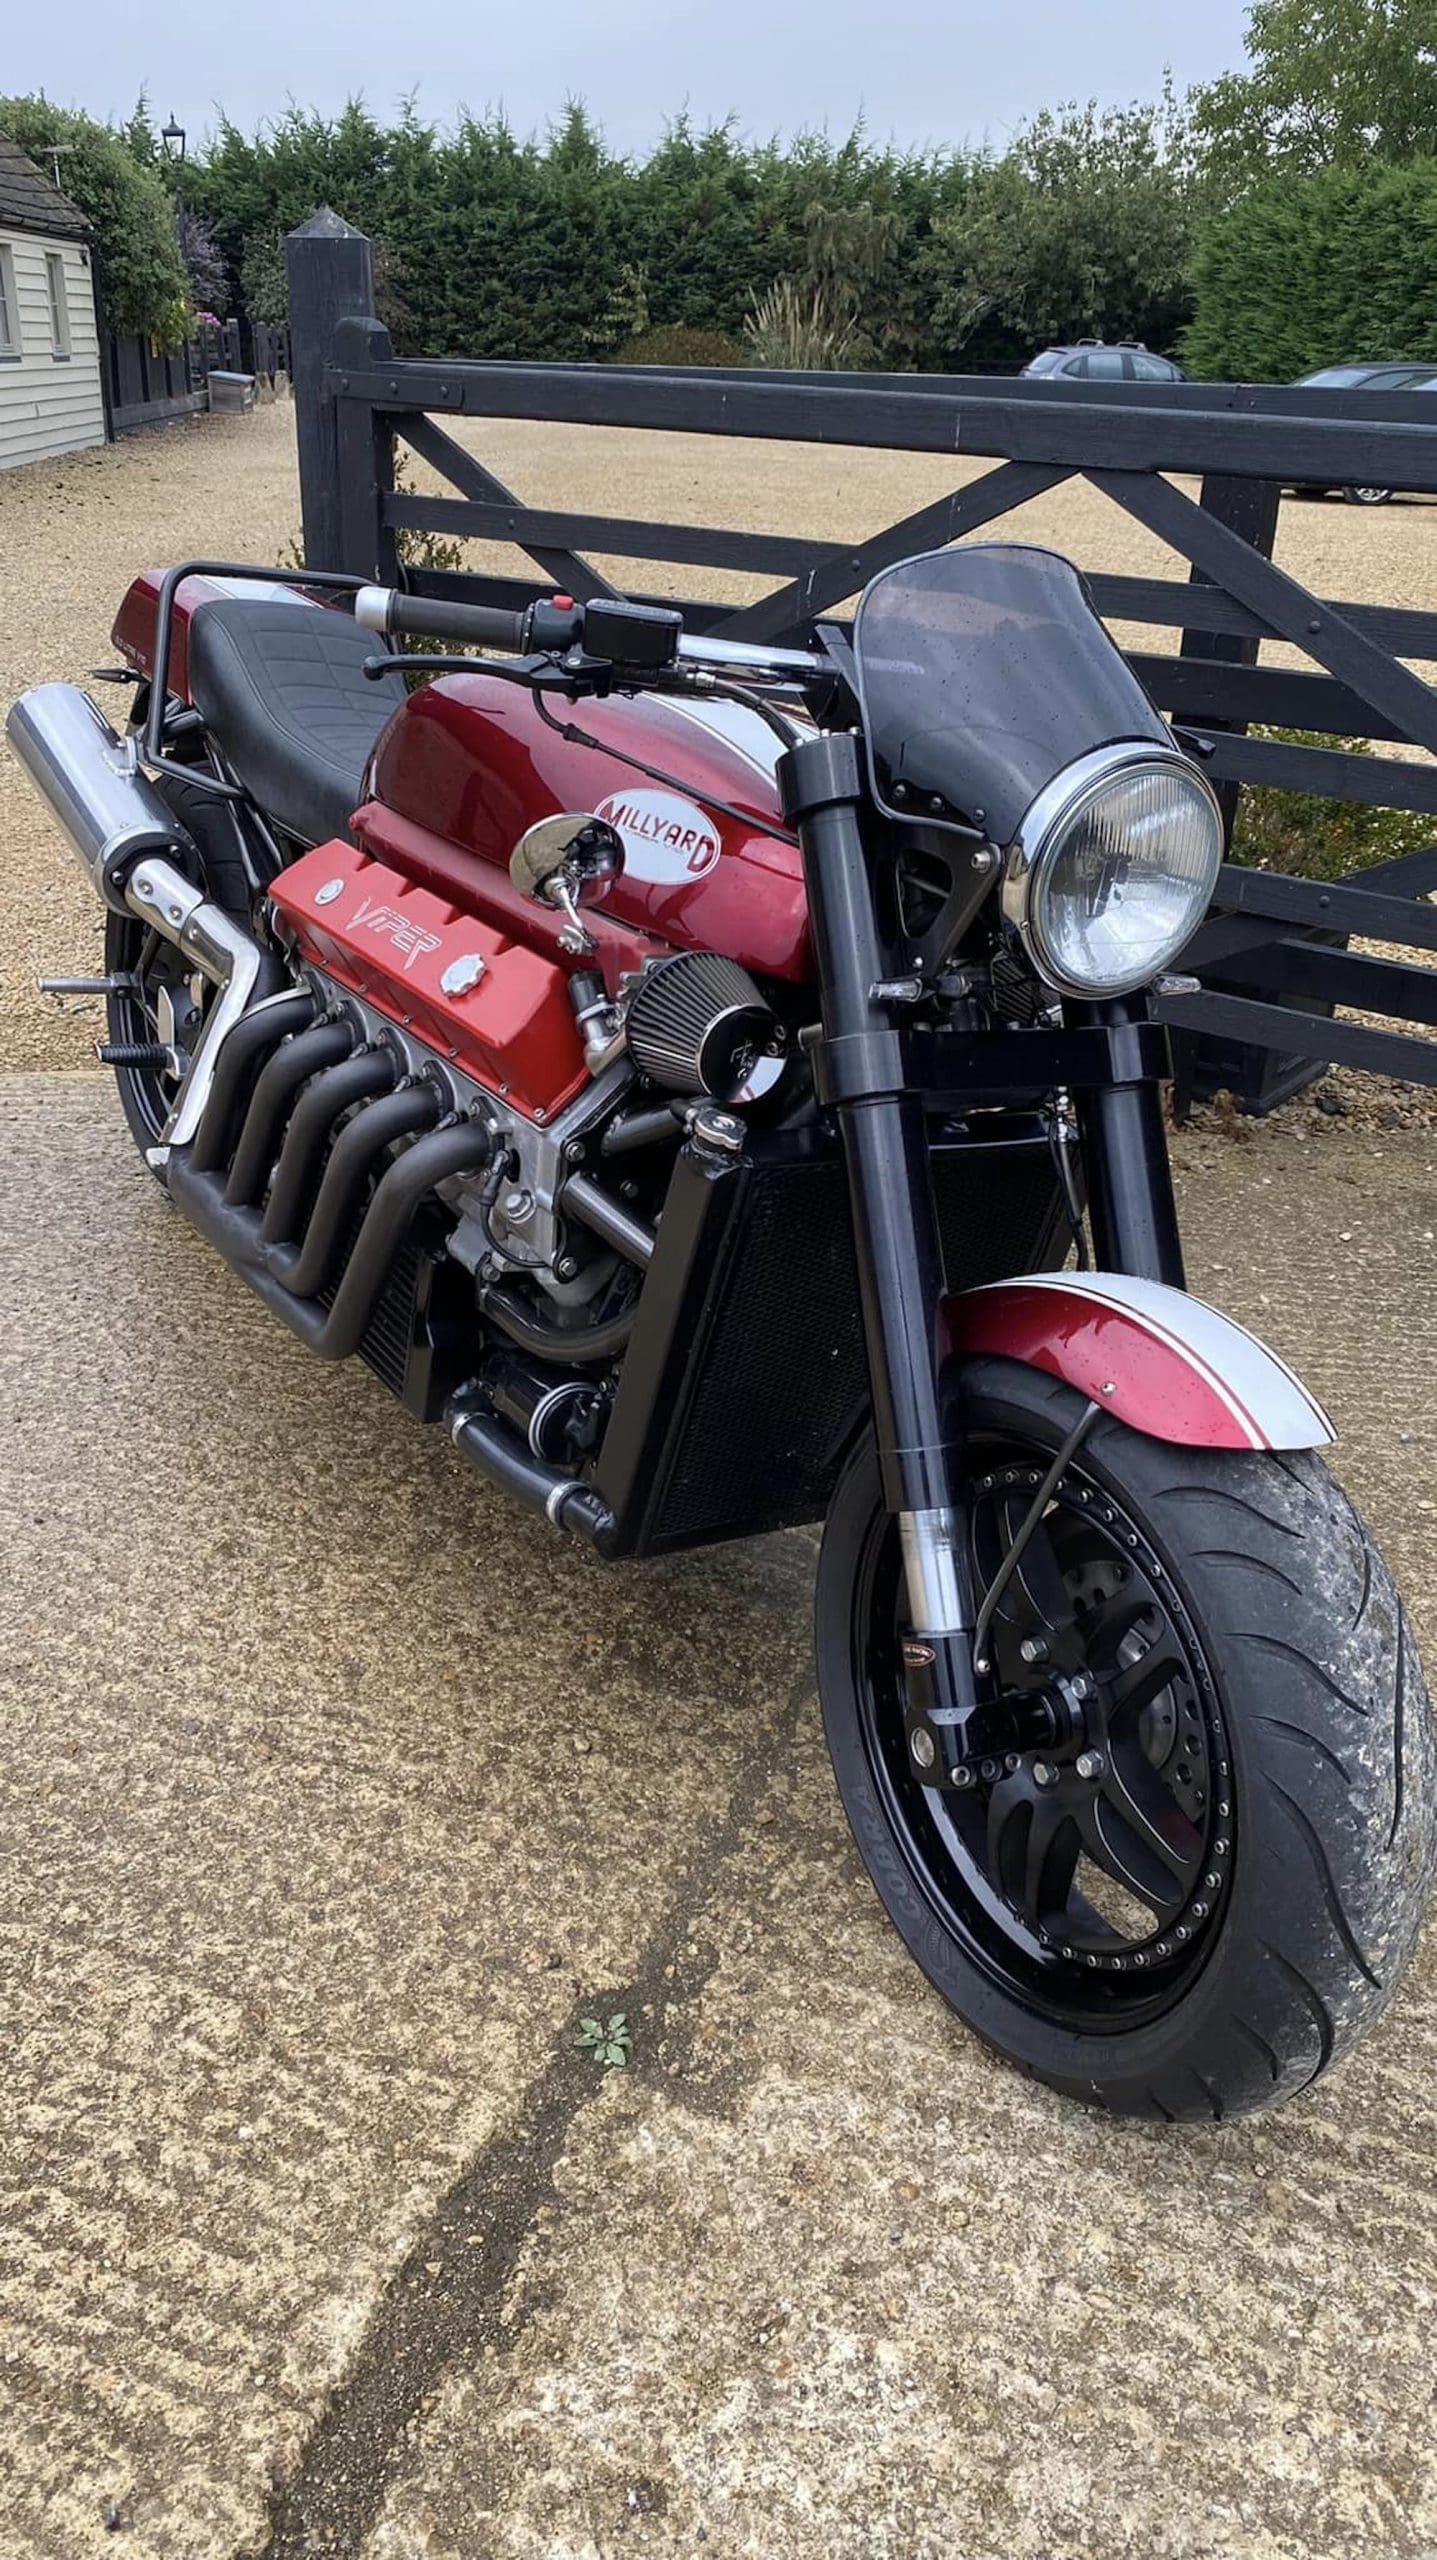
608,2040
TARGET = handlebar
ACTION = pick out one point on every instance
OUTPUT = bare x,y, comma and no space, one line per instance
636,640
484,626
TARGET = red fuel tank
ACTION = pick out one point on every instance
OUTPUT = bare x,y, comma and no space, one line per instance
473,761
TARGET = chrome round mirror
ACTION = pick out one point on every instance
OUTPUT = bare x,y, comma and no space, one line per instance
567,860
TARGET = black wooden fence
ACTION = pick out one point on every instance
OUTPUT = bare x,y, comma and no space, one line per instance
1273,958
147,385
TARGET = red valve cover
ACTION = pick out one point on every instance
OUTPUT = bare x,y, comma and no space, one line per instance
393,943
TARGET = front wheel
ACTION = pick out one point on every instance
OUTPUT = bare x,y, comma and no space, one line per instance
1206,1893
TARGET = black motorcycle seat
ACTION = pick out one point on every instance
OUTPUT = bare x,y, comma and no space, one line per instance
281,689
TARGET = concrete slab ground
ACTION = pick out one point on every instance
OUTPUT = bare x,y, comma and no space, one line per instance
335,1791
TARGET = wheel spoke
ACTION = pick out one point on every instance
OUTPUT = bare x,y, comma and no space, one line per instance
1144,1680
1050,1861
1107,1623
1150,1850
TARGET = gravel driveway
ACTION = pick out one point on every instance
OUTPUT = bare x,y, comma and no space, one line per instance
336,1790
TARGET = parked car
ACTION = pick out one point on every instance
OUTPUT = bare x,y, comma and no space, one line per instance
1092,361
1366,377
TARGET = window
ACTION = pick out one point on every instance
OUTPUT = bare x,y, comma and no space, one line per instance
59,306
9,310
1105,364
1155,369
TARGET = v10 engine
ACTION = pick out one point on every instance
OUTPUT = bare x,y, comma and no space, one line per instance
481,1002
550,1057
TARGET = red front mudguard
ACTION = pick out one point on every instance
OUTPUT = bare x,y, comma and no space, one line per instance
1162,1361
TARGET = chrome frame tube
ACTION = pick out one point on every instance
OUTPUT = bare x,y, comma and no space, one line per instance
223,951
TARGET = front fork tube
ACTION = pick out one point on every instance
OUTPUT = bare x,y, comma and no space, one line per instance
1131,1208
900,1266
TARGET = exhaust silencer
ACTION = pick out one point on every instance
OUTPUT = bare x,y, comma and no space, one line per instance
92,782
132,849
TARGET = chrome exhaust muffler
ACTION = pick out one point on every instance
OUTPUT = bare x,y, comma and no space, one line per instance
131,847
92,782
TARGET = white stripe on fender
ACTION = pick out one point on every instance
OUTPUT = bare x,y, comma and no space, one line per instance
1269,1405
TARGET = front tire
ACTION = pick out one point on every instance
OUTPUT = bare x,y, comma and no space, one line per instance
1204,1927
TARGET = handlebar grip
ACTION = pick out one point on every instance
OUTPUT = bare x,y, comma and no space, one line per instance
483,626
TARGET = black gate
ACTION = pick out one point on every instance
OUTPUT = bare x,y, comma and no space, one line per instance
1274,956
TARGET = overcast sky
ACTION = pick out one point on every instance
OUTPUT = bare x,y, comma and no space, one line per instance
919,71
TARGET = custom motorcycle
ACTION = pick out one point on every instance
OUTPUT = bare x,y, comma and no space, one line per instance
719,1084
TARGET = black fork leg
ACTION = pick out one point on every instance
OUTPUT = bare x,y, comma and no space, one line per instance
861,1074
1125,1157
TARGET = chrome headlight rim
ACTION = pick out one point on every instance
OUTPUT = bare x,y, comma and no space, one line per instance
1045,824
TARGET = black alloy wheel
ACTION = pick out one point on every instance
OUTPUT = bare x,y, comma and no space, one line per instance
1203,1884
1090,1871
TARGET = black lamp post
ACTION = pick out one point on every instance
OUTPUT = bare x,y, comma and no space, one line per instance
172,135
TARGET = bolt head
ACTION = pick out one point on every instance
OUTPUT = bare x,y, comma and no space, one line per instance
1044,1774
331,890
1089,1764
1033,1649
923,1746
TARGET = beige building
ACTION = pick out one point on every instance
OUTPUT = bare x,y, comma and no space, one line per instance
51,398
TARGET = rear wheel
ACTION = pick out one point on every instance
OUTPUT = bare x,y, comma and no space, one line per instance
159,1011
1208,1891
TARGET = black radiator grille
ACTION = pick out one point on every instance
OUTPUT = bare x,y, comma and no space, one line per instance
390,1334
779,1375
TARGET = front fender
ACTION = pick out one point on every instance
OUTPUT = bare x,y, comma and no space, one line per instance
1162,1361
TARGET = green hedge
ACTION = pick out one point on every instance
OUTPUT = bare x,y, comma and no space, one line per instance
1305,272
559,248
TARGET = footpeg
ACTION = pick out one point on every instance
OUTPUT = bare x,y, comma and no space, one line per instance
117,984
138,1053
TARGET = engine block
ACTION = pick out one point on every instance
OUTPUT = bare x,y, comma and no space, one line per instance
491,1007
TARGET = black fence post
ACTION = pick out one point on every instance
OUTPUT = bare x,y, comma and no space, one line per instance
1248,507
331,278
364,445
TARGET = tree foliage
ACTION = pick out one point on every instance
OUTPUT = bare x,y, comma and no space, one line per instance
559,248
142,276
1084,229
1303,272
1329,83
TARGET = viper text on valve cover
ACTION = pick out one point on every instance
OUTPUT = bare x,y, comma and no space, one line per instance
718,1084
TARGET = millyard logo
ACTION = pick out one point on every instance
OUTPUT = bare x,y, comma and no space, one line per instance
406,936
666,839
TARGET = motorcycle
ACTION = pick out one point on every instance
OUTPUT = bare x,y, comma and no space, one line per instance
719,1084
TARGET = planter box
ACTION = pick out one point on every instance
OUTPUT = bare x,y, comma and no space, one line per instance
231,390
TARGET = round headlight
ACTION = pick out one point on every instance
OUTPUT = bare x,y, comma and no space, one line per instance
1113,870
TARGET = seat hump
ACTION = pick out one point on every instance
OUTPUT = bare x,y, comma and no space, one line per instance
281,688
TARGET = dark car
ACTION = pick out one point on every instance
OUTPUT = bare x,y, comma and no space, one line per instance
1366,377
1092,361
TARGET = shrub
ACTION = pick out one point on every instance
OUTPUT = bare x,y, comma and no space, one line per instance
679,347
796,328
1319,839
